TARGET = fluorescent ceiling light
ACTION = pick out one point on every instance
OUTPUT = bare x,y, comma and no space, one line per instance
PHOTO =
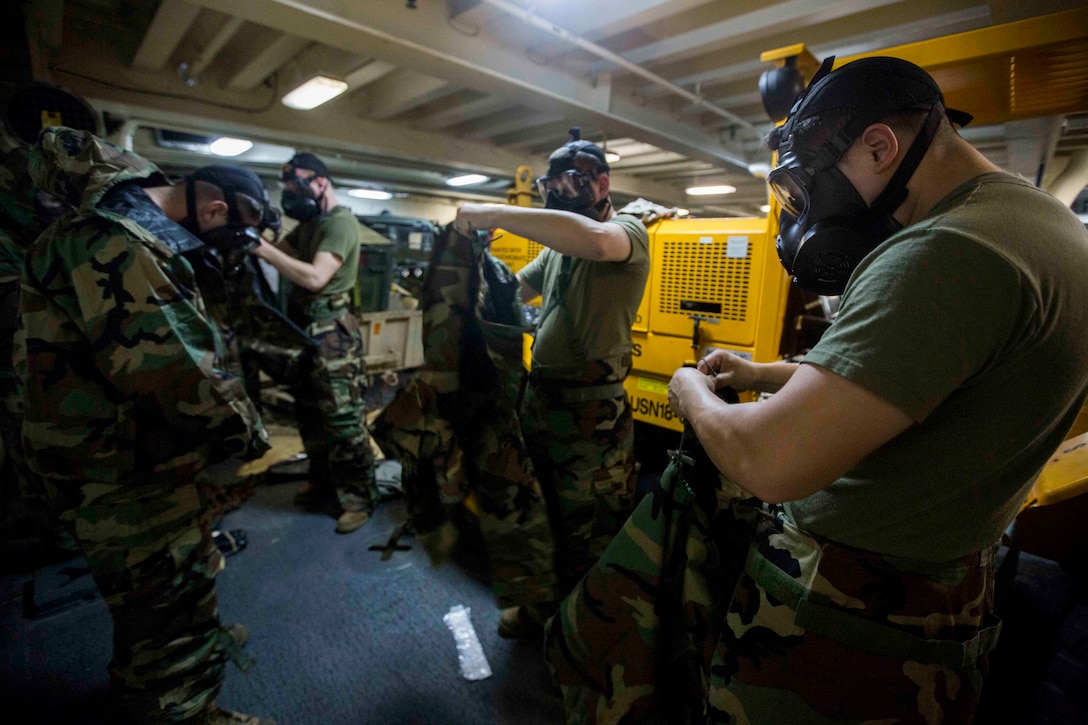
766,208
611,157
683,212
314,92
710,190
467,180
227,146
370,194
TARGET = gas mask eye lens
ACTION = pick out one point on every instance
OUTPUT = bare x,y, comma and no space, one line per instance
567,184
789,191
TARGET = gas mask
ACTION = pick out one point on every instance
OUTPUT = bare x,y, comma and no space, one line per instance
568,190
826,228
300,205
567,185
231,242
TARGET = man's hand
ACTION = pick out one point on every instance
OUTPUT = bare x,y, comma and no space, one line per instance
686,383
648,211
729,370
473,218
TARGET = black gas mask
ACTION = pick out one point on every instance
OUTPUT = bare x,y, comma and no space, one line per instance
300,205
826,228
231,242
571,168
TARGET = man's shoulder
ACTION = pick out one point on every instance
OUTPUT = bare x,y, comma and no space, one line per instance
80,238
340,222
632,225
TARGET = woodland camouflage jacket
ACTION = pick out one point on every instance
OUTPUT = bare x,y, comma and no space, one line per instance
127,376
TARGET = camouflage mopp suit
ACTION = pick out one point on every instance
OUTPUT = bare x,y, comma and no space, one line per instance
22,219
454,426
130,393
710,607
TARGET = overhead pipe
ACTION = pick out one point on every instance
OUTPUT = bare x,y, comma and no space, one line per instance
551,28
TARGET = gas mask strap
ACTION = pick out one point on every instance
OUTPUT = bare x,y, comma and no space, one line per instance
895,193
191,223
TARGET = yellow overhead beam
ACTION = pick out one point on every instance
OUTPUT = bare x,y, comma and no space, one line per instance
1025,69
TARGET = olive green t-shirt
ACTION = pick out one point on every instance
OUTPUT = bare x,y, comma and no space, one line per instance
593,319
973,322
337,232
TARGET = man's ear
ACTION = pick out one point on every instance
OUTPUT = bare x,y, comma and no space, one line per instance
213,213
604,185
881,146
322,184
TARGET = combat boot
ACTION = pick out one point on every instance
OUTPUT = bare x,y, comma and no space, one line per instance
351,520
521,622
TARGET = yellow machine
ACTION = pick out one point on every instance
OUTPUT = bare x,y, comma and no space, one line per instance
714,283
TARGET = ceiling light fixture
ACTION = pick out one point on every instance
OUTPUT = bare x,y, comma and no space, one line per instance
227,146
376,194
314,92
766,208
683,212
467,180
710,190
611,157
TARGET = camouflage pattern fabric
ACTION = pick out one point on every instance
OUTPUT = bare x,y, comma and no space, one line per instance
749,620
20,225
152,557
583,454
329,410
455,429
875,638
633,641
129,395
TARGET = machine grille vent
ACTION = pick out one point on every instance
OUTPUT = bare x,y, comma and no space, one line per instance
699,278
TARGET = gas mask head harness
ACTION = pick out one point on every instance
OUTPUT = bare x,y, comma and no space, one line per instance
233,240
571,168
826,228
298,199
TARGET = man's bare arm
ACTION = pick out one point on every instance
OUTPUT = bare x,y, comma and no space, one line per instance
565,232
799,441
311,276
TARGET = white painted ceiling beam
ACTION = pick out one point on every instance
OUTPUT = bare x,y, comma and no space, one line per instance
368,73
542,140
172,20
461,113
209,51
250,74
402,90
919,20
508,122
605,18
763,23
481,63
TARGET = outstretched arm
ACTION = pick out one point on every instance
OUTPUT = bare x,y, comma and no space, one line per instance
565,232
